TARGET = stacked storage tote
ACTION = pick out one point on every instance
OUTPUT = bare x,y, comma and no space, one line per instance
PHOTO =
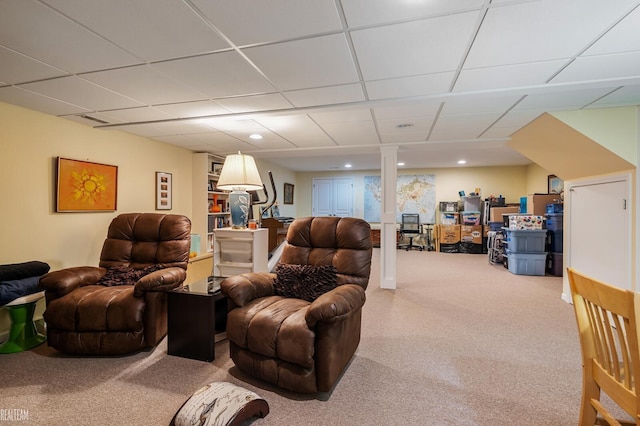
554,238
526,245
471,230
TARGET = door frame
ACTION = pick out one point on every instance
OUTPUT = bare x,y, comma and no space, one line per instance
628,245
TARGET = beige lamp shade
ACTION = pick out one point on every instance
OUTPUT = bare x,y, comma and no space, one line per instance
239,171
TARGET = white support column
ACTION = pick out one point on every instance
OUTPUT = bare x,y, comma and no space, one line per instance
388,181
635,283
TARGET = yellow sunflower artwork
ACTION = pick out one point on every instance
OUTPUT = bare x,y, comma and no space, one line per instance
85,186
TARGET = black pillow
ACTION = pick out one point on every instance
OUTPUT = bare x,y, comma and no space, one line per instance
122,275
306,282
18,271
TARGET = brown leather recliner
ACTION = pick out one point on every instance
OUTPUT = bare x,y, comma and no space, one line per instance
84,317
296,344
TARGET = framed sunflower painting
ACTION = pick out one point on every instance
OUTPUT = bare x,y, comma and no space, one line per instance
82,186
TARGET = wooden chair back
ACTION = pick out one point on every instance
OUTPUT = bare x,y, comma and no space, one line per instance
607,325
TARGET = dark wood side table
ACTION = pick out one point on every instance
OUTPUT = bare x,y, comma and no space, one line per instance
195,314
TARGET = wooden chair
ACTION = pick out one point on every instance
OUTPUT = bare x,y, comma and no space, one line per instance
607,325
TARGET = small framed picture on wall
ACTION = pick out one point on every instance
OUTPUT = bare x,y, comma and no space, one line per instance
288,193
555,185
163,191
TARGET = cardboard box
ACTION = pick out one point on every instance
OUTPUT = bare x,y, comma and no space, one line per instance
471,234
537,203
449,234
496,213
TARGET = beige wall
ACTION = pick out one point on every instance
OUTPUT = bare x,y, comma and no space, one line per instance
565,151
30,142
511,182
280,176
614,128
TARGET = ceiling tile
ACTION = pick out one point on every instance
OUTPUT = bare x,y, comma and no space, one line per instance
572,99
326,95
624,37
250,21
217,75
519,118
302,64
507,76
271,101
561,29
178,128
369,12
419,47
92,118
418,85
233,124
601,67
625,96
210,141
449,128
269,140
352,132
417,125
132,115
470,104
499,132
145,84
408,110
16,96
18,68
141,27
417,131
193,109
298,129
37,31
346,116
77,91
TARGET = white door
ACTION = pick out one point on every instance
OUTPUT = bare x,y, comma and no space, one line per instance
599,226
332,197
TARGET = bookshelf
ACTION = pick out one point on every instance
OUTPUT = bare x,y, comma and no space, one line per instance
210,205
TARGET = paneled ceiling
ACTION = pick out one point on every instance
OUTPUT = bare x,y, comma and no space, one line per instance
324,82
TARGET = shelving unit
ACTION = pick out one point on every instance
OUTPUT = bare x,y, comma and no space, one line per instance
204,221
237,251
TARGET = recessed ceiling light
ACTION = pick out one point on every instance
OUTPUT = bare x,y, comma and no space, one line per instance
255,136
401,163
462,161
348,166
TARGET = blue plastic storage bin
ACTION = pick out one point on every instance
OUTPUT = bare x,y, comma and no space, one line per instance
526,263
554,241
495,226
554,222
554,264
526,240
470,218
555,208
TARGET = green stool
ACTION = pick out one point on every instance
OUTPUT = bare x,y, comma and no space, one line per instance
23,334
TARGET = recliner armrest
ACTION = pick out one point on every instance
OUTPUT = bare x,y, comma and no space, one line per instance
162,280
244,288
335,304
64,281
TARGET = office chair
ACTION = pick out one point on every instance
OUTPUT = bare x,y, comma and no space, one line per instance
410,228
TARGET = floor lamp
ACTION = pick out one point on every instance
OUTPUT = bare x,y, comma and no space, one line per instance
239,174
